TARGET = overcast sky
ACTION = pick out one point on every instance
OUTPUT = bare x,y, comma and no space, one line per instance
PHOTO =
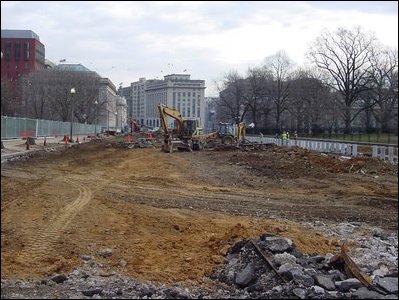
124,41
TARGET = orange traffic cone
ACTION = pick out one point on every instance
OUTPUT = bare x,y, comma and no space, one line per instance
91,136
77,140
84,138
27,144
45,142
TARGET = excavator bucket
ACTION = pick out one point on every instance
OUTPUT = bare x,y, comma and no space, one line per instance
173,145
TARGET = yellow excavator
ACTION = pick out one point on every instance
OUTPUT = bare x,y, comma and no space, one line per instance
187,136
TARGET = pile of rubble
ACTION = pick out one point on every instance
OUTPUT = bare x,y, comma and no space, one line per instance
242,147
271,268
266,268
138,143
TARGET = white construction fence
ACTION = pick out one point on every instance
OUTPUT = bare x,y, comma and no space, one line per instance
348,149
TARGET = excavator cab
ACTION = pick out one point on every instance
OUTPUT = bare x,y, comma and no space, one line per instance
226,133
225,129
189,128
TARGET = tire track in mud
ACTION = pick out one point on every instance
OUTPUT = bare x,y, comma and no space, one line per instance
39,245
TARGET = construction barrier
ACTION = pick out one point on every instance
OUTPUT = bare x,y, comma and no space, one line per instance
386,153
321,146
12,127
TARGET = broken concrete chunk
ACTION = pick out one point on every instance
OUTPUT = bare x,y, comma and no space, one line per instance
300,293
59,278
390,284
325,282
317,290
295,272
246,276
381,272
276,244
105,252
348,284
282,258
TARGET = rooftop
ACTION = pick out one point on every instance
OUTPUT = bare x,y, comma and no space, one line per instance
19,34
71,67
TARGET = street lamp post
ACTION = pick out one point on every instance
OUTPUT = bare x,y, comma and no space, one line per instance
95,118
107,122
116,121
73,91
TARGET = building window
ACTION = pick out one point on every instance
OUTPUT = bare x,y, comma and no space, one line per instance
8,51
26,50
188,94
184,94
17,51
193,94
198,112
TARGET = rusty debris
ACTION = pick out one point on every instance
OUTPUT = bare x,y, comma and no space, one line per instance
343,262
268,259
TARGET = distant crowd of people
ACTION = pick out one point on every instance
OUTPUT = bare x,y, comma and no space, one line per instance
285,135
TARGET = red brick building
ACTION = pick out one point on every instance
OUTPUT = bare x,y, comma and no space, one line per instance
21,52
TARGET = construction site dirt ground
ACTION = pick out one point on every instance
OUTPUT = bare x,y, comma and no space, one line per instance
173,217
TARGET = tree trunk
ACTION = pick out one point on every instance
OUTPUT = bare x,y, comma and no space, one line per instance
347,119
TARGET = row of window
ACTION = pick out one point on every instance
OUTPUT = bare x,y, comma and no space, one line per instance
153,123
17,51
183,94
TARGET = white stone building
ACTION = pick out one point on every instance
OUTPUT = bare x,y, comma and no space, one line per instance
177,91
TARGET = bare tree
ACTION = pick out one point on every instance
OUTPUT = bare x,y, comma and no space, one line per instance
9,106
47,94
308,100
36,96
345,55
279,66
232,102
255,91
383,97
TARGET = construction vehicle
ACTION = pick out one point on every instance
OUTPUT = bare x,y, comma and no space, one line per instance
227,134
187,136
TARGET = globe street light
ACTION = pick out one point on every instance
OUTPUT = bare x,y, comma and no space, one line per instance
95,119
73,91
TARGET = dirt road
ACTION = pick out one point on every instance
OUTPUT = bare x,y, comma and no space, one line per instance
172,217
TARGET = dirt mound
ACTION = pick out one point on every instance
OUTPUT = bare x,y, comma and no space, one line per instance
294,162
